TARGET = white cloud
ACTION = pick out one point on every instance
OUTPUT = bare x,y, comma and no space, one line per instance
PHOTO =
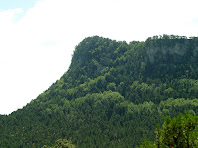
8,15
36,50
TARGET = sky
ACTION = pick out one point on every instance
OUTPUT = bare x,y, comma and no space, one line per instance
38,37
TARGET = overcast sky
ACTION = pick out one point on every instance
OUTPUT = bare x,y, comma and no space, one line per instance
38,37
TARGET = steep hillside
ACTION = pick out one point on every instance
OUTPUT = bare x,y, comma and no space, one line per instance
113,94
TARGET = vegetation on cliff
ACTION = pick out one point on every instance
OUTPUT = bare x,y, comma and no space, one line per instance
113,95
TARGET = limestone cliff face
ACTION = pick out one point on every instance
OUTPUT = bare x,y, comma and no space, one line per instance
175,52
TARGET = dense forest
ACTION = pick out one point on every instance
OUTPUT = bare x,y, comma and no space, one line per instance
113,95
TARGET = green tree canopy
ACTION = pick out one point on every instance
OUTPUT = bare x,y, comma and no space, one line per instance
61,143
178,132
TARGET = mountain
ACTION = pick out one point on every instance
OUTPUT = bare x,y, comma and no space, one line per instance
113,95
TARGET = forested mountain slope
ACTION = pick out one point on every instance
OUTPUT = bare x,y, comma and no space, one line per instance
113,94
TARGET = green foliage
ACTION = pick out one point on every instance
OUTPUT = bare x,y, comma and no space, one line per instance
178,132
148,144
61,143
113,95
181,131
